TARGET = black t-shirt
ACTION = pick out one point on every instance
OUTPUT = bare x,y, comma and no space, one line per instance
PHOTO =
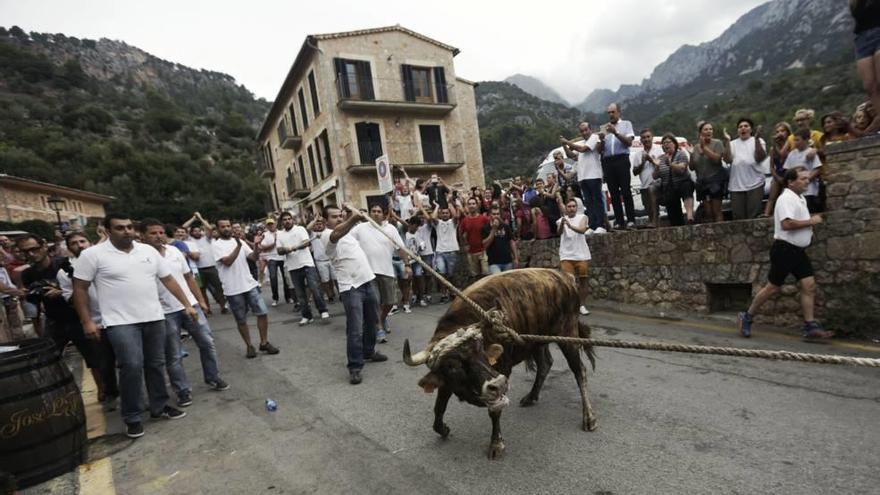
866,15
437,195
57,308
499,252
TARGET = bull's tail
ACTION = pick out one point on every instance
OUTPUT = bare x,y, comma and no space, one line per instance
584,333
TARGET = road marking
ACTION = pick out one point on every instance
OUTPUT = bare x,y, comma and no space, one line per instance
731,330
97,478
95,421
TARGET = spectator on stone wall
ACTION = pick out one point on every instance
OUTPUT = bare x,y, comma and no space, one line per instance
617,136
574,253
549,203
565,173
804,156
803,119
712,177
567,193
540,220
746,170
522,214
643,163
862,118
500,246
836,128
676,186
589,174
781,132
866,14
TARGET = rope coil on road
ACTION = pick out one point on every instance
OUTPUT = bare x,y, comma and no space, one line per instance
495,318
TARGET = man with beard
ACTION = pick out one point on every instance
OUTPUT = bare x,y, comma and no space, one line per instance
201,234
240,287
124,273
293,242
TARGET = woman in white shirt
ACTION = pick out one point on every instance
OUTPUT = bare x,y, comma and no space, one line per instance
746,171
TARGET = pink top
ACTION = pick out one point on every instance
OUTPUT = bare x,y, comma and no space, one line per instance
542,225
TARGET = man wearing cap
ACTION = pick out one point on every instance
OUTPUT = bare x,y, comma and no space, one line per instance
274,261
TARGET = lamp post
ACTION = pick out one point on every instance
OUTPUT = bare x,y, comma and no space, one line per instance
57,204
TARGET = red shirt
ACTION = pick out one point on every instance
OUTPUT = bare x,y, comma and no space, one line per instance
472,228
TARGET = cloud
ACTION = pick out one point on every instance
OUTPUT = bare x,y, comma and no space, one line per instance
574,47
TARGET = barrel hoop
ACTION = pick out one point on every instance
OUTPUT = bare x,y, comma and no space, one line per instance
40,442
32,393
30,367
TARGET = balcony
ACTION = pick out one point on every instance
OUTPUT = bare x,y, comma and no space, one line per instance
384,95
264,168
429,157
297,192
287,140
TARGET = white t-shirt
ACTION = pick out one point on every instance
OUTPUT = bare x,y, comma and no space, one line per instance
423,233
378,248
798,158
589,164
269,248
407,209
794,206
348,260
179,267
206,254
447,236
294,237
7,282
125,282
319,250
745,173
647,174
235,278
66,286
572,245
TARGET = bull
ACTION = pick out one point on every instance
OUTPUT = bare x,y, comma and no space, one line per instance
467,359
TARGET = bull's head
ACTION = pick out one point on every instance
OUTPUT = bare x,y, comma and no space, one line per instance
462,364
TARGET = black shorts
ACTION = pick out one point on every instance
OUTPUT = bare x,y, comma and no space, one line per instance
714,187
787,258
63,333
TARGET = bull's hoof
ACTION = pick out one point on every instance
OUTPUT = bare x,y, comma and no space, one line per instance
442,430
590,424
527,401
495,450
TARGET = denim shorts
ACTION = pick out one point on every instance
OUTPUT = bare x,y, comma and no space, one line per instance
418,270
399,269
867,43
445,262
240,303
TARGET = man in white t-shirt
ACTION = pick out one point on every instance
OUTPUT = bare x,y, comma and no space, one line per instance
293,242
643,163
124,273
574,253
153,233
804,156
240,288
445,222
792,234
589,174
357,294
322,262
380,250
201,233
274,260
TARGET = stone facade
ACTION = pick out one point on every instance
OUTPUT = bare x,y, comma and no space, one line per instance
24,199
304,174
694,268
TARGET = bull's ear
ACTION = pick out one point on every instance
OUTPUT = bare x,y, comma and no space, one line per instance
494,352
430,382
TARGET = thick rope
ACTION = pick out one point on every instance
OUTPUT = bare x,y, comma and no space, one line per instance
496,319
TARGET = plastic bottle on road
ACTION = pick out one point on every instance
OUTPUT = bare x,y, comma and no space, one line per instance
271,406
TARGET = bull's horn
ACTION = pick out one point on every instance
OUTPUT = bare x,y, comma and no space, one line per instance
417,360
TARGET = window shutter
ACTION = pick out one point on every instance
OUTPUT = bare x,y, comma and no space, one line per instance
341,78
409,90
440,85
366,76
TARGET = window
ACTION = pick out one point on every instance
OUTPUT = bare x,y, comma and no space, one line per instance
312,164
432,143
418,85
313,90
369,142
302,108
320,158
354,79
422,85
324,148
282,131
302,173
292,116
289,181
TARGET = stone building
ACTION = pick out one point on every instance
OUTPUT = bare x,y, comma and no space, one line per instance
26,199
351,97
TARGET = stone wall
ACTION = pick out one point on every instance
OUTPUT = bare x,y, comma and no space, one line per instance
674,267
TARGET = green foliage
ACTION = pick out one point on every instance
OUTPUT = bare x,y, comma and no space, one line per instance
143,141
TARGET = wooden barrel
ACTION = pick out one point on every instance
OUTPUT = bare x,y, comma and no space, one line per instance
42,420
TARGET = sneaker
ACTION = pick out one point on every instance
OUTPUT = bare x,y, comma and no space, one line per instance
134,430
184,399
269,348
407,309
394,310
630,226
600,230
289,301
355,377
745,324
304,322
224,310
381,337
812,330
251,352
377,357
169,413
218,384
584,310
325,315
423,303
274,303
428,298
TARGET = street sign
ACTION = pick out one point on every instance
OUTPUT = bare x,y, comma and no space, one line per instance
383,171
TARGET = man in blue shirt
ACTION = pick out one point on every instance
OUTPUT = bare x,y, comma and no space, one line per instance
617,136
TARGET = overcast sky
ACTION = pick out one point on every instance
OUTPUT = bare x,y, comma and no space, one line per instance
575,47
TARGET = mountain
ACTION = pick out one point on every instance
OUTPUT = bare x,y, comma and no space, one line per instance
599,99
535,87
104,116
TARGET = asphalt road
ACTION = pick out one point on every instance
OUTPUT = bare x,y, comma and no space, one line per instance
668,423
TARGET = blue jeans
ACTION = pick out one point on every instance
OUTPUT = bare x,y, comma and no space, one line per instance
444,262
140,355
274,266
594,203
201,333
502,267
360,305
308,276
